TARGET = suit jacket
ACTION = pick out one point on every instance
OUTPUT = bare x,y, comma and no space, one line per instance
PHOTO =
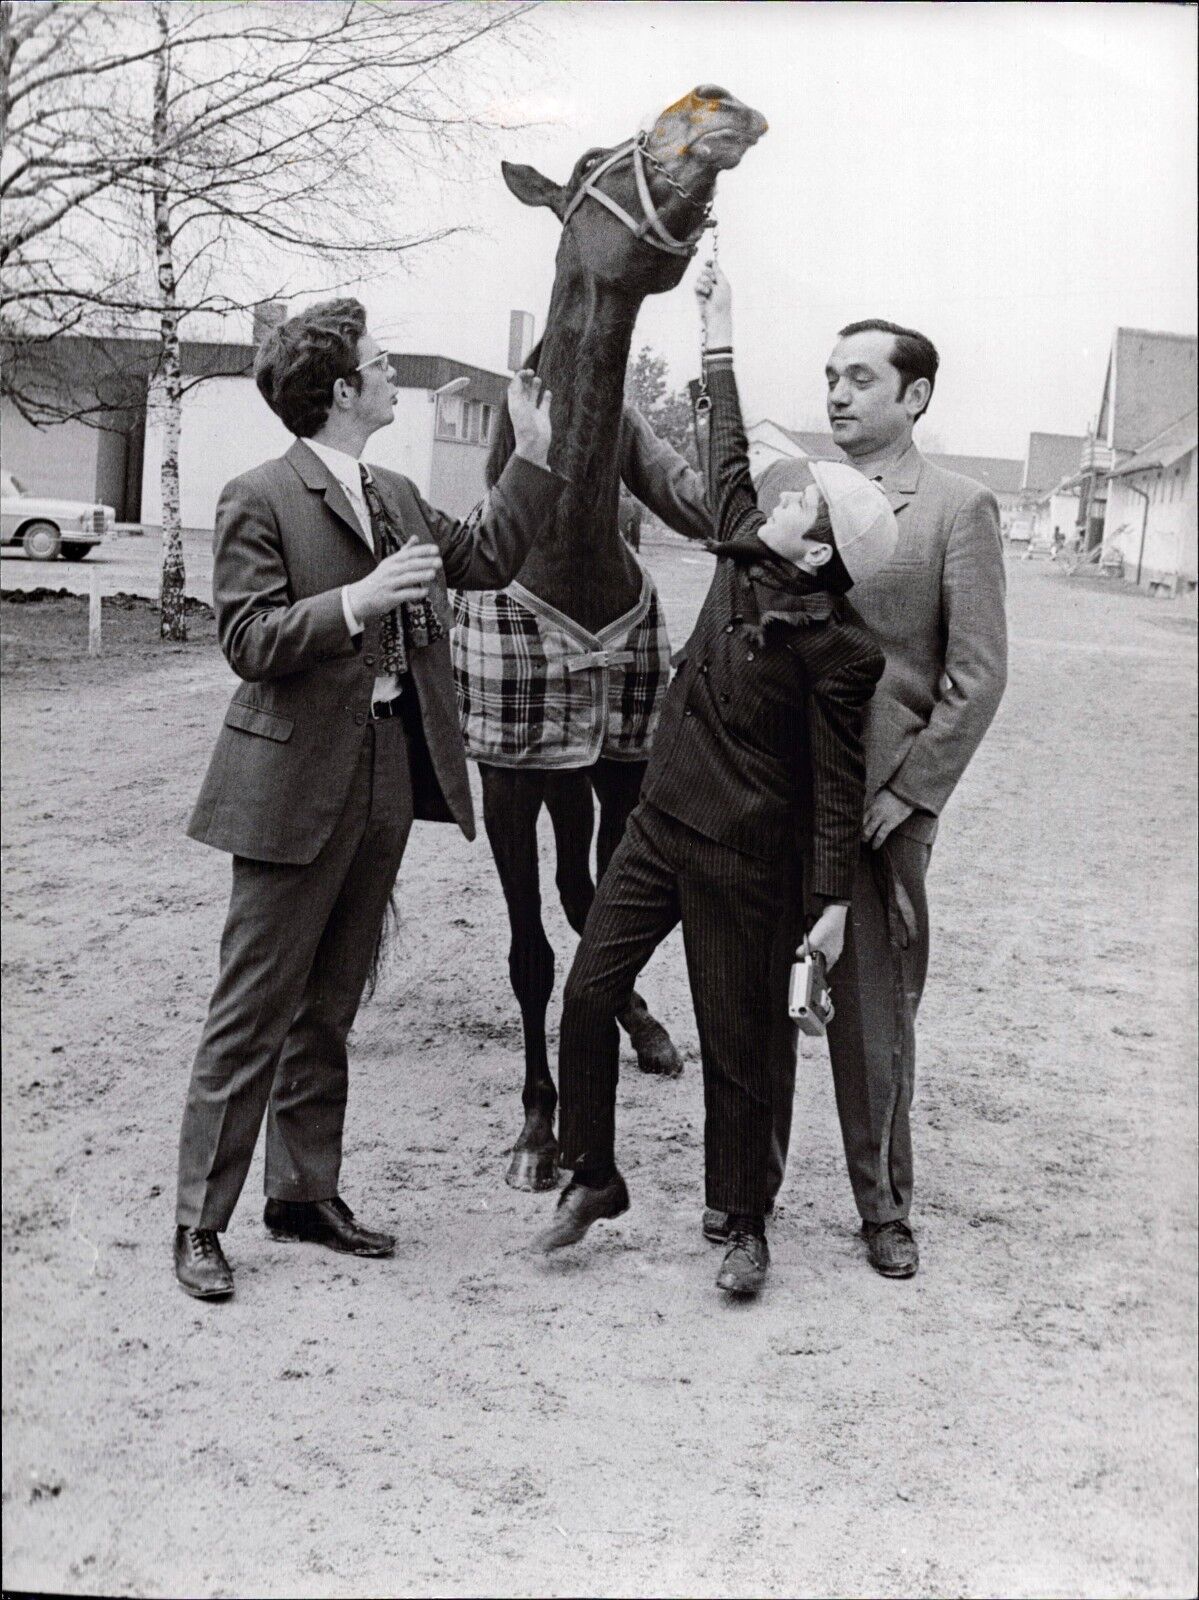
938,612
286,541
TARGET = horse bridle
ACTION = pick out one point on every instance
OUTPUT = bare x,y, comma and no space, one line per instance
651,228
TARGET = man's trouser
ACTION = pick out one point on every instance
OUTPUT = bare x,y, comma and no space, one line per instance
876,987
729,904
295,956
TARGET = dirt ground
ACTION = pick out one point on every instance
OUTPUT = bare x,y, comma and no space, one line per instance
1019,1419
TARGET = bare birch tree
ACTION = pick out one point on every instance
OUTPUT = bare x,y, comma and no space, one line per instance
157,157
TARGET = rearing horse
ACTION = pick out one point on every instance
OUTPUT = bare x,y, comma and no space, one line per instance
560,675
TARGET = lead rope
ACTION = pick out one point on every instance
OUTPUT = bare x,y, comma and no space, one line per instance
703,401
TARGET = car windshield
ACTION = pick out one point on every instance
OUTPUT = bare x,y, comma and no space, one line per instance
12,485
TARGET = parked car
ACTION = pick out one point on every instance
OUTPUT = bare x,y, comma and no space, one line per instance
47,528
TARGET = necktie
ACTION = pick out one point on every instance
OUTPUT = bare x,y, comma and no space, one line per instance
415,624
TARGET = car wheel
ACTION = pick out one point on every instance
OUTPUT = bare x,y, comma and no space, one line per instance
42,541
73,551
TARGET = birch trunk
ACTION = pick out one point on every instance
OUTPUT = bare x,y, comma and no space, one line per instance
173,619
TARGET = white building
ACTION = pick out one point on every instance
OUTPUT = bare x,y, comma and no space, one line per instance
1151,509
1148,391
440,441
1049,488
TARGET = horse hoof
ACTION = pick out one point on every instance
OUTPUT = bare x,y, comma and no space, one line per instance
532,1170
656,1053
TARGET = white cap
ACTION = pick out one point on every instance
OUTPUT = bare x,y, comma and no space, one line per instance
863,522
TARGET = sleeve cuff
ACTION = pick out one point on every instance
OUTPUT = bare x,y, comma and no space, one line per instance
347,611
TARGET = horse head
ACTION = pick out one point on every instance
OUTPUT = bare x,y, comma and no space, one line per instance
633,214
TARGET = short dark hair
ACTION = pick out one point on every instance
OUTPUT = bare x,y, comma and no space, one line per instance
912,355
301,359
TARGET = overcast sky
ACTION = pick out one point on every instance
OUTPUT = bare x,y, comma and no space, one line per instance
1013,179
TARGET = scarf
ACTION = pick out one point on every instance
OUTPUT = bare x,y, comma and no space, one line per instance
415,624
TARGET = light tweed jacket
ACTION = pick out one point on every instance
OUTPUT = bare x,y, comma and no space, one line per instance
938,612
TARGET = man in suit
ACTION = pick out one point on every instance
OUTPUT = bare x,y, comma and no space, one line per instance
937,610
329,585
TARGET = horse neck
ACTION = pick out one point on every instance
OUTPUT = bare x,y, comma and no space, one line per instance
580,564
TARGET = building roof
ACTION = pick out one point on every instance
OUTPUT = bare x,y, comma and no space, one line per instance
1170,446
1000,474
1051,457
1150,382
101,363
430,372
816,446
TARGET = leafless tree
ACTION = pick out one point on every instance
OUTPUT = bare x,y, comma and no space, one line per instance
158,158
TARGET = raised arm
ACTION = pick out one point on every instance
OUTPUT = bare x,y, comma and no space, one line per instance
730,487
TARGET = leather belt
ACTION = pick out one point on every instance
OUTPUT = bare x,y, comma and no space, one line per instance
381,710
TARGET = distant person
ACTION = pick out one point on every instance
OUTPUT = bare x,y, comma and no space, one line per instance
938,612
331,608
757,761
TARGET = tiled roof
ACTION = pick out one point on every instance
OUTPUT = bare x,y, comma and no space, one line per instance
209,358
997,473
430,372
1051,457
816,446
1174,442
1150,382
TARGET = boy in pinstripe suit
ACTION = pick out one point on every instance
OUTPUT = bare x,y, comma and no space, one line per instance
754,793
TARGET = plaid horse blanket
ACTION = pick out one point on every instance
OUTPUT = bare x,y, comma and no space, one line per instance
536,690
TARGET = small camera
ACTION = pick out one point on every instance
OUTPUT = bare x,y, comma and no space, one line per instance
809,999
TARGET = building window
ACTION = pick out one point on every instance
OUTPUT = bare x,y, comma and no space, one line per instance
449,416
467,421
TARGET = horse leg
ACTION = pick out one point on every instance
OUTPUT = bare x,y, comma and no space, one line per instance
618,787
568,800
511,801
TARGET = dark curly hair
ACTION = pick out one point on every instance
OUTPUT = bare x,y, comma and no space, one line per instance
301,359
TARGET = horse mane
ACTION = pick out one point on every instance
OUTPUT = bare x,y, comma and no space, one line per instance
504,442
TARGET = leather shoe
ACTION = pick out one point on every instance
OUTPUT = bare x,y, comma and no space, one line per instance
200,1264
743,1270
891,1248
579,1206
716,1223
327,1222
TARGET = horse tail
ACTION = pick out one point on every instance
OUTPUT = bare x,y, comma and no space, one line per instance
504,442
387,927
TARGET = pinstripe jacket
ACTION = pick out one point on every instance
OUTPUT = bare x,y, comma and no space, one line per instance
760,742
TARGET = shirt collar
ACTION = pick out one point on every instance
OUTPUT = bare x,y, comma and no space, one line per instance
903,475
347,469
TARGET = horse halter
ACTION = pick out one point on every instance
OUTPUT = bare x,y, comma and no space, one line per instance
651,228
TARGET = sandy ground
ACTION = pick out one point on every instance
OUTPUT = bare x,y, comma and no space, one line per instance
1019,1419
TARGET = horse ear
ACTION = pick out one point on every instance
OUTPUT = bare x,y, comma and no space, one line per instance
531,189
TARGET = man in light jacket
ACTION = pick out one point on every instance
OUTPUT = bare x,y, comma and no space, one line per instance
938,611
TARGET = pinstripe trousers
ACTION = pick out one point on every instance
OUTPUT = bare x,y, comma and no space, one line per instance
729,904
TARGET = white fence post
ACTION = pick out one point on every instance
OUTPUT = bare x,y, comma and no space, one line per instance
93,614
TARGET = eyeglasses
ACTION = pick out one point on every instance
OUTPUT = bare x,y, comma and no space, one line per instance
382,359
